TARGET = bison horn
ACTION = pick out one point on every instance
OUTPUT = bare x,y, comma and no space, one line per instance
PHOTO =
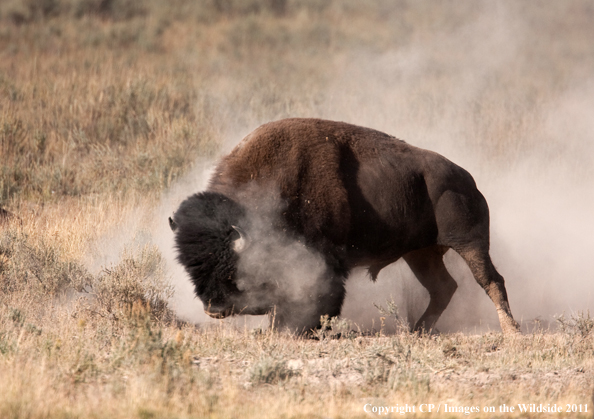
172,224
240,244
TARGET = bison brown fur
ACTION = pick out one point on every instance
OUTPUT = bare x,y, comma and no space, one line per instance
352,195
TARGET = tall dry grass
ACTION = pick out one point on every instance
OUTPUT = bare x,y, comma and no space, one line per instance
105,105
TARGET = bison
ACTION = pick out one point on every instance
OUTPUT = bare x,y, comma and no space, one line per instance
354,196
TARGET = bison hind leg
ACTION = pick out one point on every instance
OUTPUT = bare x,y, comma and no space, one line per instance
478,260
463,222
427,265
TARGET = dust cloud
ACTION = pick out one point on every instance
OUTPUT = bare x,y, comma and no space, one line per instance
148,225
278,268
185,303
532,159
482,96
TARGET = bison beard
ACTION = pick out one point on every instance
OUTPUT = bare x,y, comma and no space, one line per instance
300,202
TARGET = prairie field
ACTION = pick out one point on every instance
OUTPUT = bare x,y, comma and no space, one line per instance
113,111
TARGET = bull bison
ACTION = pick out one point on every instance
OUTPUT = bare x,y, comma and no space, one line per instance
355,197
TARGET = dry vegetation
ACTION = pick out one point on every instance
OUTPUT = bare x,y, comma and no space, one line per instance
105,104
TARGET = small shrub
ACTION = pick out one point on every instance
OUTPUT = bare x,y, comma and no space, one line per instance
391,312
578,324
268,370
136,279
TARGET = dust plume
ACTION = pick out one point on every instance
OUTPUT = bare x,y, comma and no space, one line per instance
288,272
505,92
477,96
185,303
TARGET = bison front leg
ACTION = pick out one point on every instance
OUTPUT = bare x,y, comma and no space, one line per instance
301,315
427,265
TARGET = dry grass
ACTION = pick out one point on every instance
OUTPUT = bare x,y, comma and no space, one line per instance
86,365
104,105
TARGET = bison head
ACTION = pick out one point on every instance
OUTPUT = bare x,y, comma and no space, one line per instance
209,240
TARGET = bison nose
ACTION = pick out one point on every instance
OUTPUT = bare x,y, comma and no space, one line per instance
217,313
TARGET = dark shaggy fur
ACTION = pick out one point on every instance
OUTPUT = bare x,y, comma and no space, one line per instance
204,224
357,196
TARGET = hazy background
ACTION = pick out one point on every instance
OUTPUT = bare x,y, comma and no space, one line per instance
494,93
